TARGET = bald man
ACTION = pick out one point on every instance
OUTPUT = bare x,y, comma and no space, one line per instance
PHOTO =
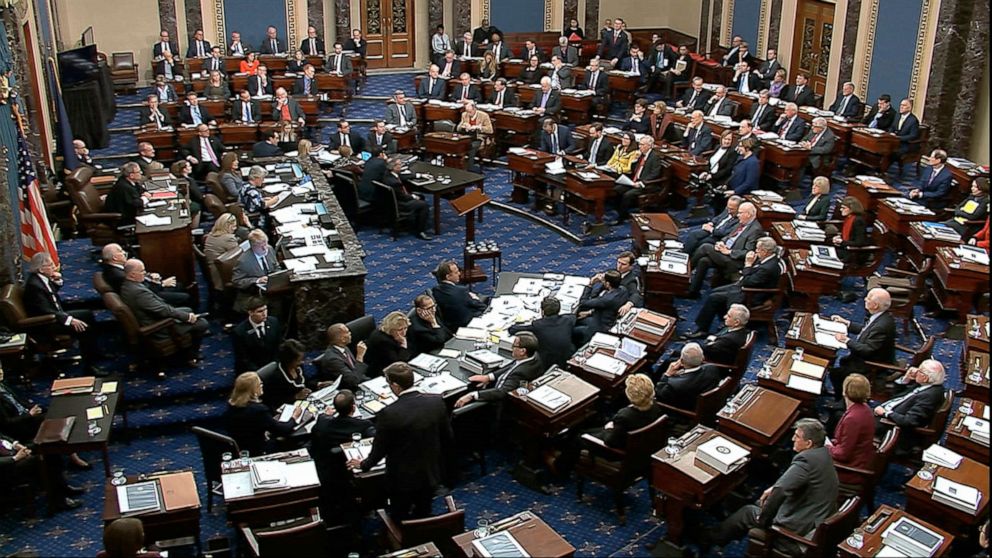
338,360
874,341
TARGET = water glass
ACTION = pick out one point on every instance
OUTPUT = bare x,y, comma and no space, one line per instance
356,438
966,407
857,539
244,458
93,428
99,398
797,354
482,528
119,478
673,446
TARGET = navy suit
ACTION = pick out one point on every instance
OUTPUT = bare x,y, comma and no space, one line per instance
437,92
456,306
723,224
794,131
472,95
936,189
253,350
564,140
853,109
697,103
698,140
723,347
745,176
554,338
761,275
908,132
604,305
627,65
683,389
803,98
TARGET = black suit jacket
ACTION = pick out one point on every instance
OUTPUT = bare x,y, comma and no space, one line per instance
699,140
909,131
509,98
701,99
255,86
875,342
423,338
456,306
634,284
472,49
375,170
614,45
305,46
511,377
193,148
626,420
248,425
854,109
682,390
157,49
725,166
331,431
455,71
553,106
602,83
357,143
191,51
425,91
723,347
412,435
252,352
145,117
265,149
22,426
564,140
604,308
386,144
761,275
917,410
237,110
819,211
603,153
473,93
766,121
266,46
125,198
382,351
884,121
726,107
299,86
796,132
333,364
804,99
351,45
652,167
554,338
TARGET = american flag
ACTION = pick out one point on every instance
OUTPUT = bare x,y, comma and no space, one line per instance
36,232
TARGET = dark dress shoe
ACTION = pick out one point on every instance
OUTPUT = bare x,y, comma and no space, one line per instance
69,504
695,334
424,236
80,465
74,490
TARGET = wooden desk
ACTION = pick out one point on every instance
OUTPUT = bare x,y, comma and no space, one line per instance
683,483
577,109
622,87
975,375
535,536
636,325
870,192
782,163
238,134
527,168
767,213
651,226
922,244
872,543
168,249
898,221
178,517
761,420
461,180
978,327
609,385
75,405
662,286
592,191
959,436
427,550
309,106
337,87
958,286
684,165
785,235
263,506
164,141
809,282
434,112
801,334
454,147
517,129
919,501
405,140
874,148
778,370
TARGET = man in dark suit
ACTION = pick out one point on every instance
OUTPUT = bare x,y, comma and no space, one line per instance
766,71
718,104
634,64
847,104
724,346
800,93
745,80
426,334
145,160
790,126
268,146
502,97
380,138
19,466
695,97
761,271
458,305
215,62
433,86
818,206
547,101
597,81
762,113
338,360
484,32
113,259
917,403
164,45
530,50
272,43
203,152
127,196
465,90
285,108
374,171
906,126
357,44
252,271
466,48
412,205
881,115
875,341
333,429
645,172
166,67
198,48
614,43
192,114
677,71
449,67
727,255
820,140
149,308
800,500
312,45
698,136
555,139
412,434
307,83
164,91
152,114
260,84
41,297
598,307
935,183
245,109
598,148
498,47
561,74
687,378
346,136
256,339
526,367
717,227
400,112
553,332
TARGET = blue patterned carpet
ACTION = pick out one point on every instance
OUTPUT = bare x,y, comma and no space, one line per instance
161,412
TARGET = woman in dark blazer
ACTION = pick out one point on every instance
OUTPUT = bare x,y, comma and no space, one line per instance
852,231
853,441
285,383
973,208
721,162
249,421
388,344
639,121
818,206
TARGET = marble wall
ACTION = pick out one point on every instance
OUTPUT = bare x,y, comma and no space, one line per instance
194,18
592,19
167,17
851,25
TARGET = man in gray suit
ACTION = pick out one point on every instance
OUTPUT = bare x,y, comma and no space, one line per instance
800,500
253,269
400,112
820,141
149,308
727,255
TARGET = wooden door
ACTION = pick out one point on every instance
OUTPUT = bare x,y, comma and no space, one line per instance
811,43
388,26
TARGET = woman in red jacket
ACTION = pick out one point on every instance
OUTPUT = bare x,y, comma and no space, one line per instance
981,238
852,444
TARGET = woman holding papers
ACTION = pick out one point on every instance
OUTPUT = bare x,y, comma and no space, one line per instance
388,344
853,441
624,155
249,421
974,208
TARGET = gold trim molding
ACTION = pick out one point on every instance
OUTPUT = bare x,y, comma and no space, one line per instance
926,12
728,27
219,22
548,16
869,37
764,15
291,25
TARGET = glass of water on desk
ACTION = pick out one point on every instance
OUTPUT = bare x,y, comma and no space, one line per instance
118,476
673,447
797,353
482,528
356,439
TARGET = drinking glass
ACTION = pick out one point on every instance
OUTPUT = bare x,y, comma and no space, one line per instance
857,539
966,407
673,446
119,478
93,428
482,528
797,354
244,458
356,438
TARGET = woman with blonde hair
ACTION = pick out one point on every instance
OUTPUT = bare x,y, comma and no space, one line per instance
489,67
222,238
287,134
249,421
388,343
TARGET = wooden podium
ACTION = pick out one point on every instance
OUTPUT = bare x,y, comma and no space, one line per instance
454,147
466,205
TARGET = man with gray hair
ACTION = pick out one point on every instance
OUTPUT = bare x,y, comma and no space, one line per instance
820,141
847,105
918,402
399,112
127,196
717,227
728,254
800,500
644,174
687,378
875,341
762,270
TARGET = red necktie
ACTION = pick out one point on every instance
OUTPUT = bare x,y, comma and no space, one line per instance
637,173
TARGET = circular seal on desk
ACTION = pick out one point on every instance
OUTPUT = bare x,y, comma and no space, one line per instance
723,449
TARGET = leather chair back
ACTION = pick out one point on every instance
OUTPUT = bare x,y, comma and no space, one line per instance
709,402
213,445
213,204
12,304
121,311
122,61
360,329
838,526
438,529
82,191
100,284
644,442
268,373
924,352
308,539
884,451
226,263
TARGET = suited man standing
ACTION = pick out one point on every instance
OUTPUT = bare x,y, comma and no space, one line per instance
547,101
41,297
163,46
400,113
245,109
555,139
256,339
718,104
272,43
253,269
717,227
935,182
820,140
800,93
458,305
149,308
695,98
687,378
917,403
766,72
761,271
727,255
598,307
906,126
412,435
553,332
433,86
614,43
647,169
426,334
597,81
598,148
698,136
198,48
526,367
312,45
800,500
338,360
847,104
875,341
881,115
762,113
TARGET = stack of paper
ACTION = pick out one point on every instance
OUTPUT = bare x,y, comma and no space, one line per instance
441,384
549,398
428,362
966,253
807,369
958,496
268,474
911,538
605,363
722,454
605,341
979,429
941,456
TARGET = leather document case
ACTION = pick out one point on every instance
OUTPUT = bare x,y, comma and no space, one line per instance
179,491
53,431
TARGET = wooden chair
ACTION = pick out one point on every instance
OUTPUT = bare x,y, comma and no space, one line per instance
765,311
620,468
142,341
41,340
99,225
214,205
923,436
306,536
707,404
869,478
905,287
882,372
824,541
124,72
739,367
438,529
213,445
